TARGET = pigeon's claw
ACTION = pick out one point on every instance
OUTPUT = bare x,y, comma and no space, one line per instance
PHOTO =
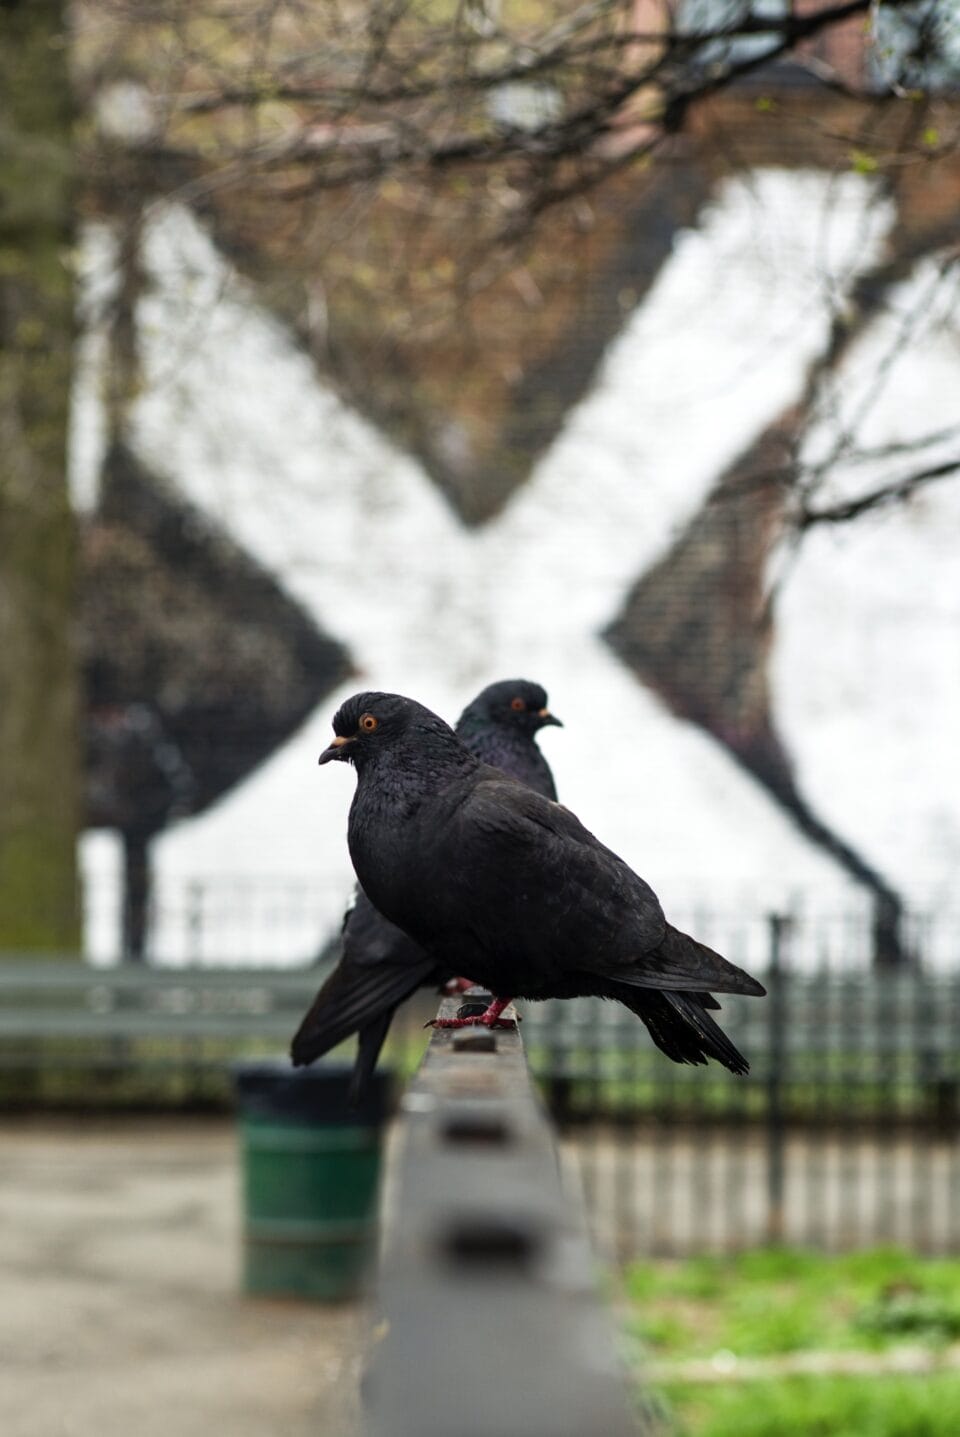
489,1018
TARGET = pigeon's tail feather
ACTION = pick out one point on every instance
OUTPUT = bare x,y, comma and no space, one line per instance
670,1036
715,1042
370,1040
353,997
685,965
682,1028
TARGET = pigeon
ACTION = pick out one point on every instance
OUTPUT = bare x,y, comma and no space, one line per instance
500,725
496,881
379,964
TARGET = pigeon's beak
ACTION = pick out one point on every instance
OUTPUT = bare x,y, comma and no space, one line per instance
546,717
339,748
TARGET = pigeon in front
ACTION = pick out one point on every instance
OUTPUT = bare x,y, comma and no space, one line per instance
379,964
494,880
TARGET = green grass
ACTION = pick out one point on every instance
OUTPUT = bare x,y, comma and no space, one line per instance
776,1302
927,1406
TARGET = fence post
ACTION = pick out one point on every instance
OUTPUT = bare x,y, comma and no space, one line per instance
776,1065
194,920
559,1083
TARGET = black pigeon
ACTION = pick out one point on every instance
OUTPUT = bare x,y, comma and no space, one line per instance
499,727
498,882
379,965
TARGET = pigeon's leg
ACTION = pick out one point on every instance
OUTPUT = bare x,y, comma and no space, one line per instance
489,1018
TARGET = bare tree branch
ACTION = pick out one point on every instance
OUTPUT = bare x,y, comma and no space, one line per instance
432,151
375,103
679,46
895,492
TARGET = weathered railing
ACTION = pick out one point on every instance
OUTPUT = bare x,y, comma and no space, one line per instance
491,1320
77,1036
72,1000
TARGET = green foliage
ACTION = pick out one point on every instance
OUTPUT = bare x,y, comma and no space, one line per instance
822,1407
661,1330
763,1322
863,163
908,1312
698,1277
778,1301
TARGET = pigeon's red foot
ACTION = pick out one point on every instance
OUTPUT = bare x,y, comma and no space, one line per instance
453,986
489,1018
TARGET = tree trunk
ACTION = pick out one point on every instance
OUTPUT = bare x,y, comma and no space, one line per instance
39,745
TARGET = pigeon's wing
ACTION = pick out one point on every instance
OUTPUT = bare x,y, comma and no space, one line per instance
543,872
535,860
374,972
370,939
690,966
354,996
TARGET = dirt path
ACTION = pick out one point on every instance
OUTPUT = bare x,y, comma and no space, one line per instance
120,1307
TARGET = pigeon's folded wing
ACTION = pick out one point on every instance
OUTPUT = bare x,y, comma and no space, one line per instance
352,997
537,864
535,857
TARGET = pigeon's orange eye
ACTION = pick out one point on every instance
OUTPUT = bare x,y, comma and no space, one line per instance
368,723
517,704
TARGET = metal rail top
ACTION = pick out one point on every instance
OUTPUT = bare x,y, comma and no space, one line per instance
76,1001
43,974
491,1320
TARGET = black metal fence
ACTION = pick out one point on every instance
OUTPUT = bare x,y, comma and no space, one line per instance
236,919
845,1133
223,920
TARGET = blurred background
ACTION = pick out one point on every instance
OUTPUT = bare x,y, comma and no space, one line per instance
413,346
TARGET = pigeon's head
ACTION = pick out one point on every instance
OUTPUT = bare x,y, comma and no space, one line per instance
511,703
371,724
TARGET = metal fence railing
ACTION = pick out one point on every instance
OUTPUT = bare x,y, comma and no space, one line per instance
76,1036
845,1133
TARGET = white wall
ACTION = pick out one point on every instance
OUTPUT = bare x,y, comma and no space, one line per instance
866,671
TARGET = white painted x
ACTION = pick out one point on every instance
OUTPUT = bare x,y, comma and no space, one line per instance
233,412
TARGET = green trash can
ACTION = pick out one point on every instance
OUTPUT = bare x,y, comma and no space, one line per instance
311,1166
